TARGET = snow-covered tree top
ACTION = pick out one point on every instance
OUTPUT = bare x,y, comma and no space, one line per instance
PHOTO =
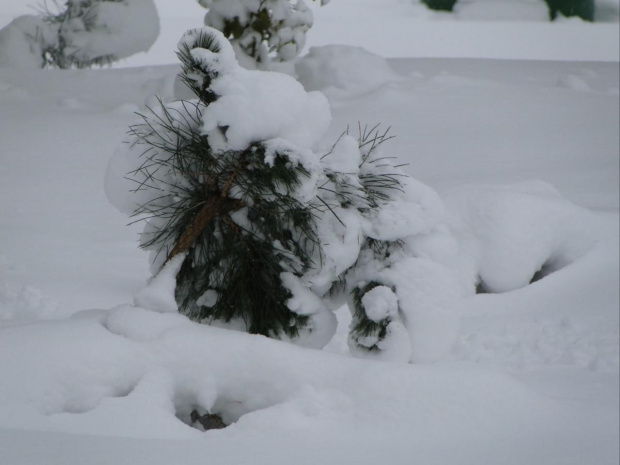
261,30
253,105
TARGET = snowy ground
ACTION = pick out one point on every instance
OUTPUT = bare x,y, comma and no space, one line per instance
532,377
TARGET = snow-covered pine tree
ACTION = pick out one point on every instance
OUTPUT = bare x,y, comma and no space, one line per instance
260,29
249,227
83,33
229,195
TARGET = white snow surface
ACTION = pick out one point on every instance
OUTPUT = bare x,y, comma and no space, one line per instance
528,374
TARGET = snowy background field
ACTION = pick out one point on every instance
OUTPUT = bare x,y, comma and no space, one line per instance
523,150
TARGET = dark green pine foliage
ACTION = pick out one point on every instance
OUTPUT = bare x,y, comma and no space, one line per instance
363,328
234,217
441,5
582,8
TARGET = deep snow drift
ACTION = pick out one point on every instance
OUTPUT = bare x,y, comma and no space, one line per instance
531,371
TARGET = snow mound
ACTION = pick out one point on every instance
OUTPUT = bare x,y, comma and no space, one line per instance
342,70
510,233
574,83
570,318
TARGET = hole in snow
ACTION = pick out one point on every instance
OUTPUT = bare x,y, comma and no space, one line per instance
544,271
204,414
481,288
206,421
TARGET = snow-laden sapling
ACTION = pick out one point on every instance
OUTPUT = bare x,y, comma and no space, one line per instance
249,227
261,29
226,184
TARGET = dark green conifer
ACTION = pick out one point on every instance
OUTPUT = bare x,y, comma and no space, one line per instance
236,218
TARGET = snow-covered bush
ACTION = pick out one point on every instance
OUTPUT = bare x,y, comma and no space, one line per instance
582,8
260,28
84,33
343,70
506,10
23,41
445,5
251,228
